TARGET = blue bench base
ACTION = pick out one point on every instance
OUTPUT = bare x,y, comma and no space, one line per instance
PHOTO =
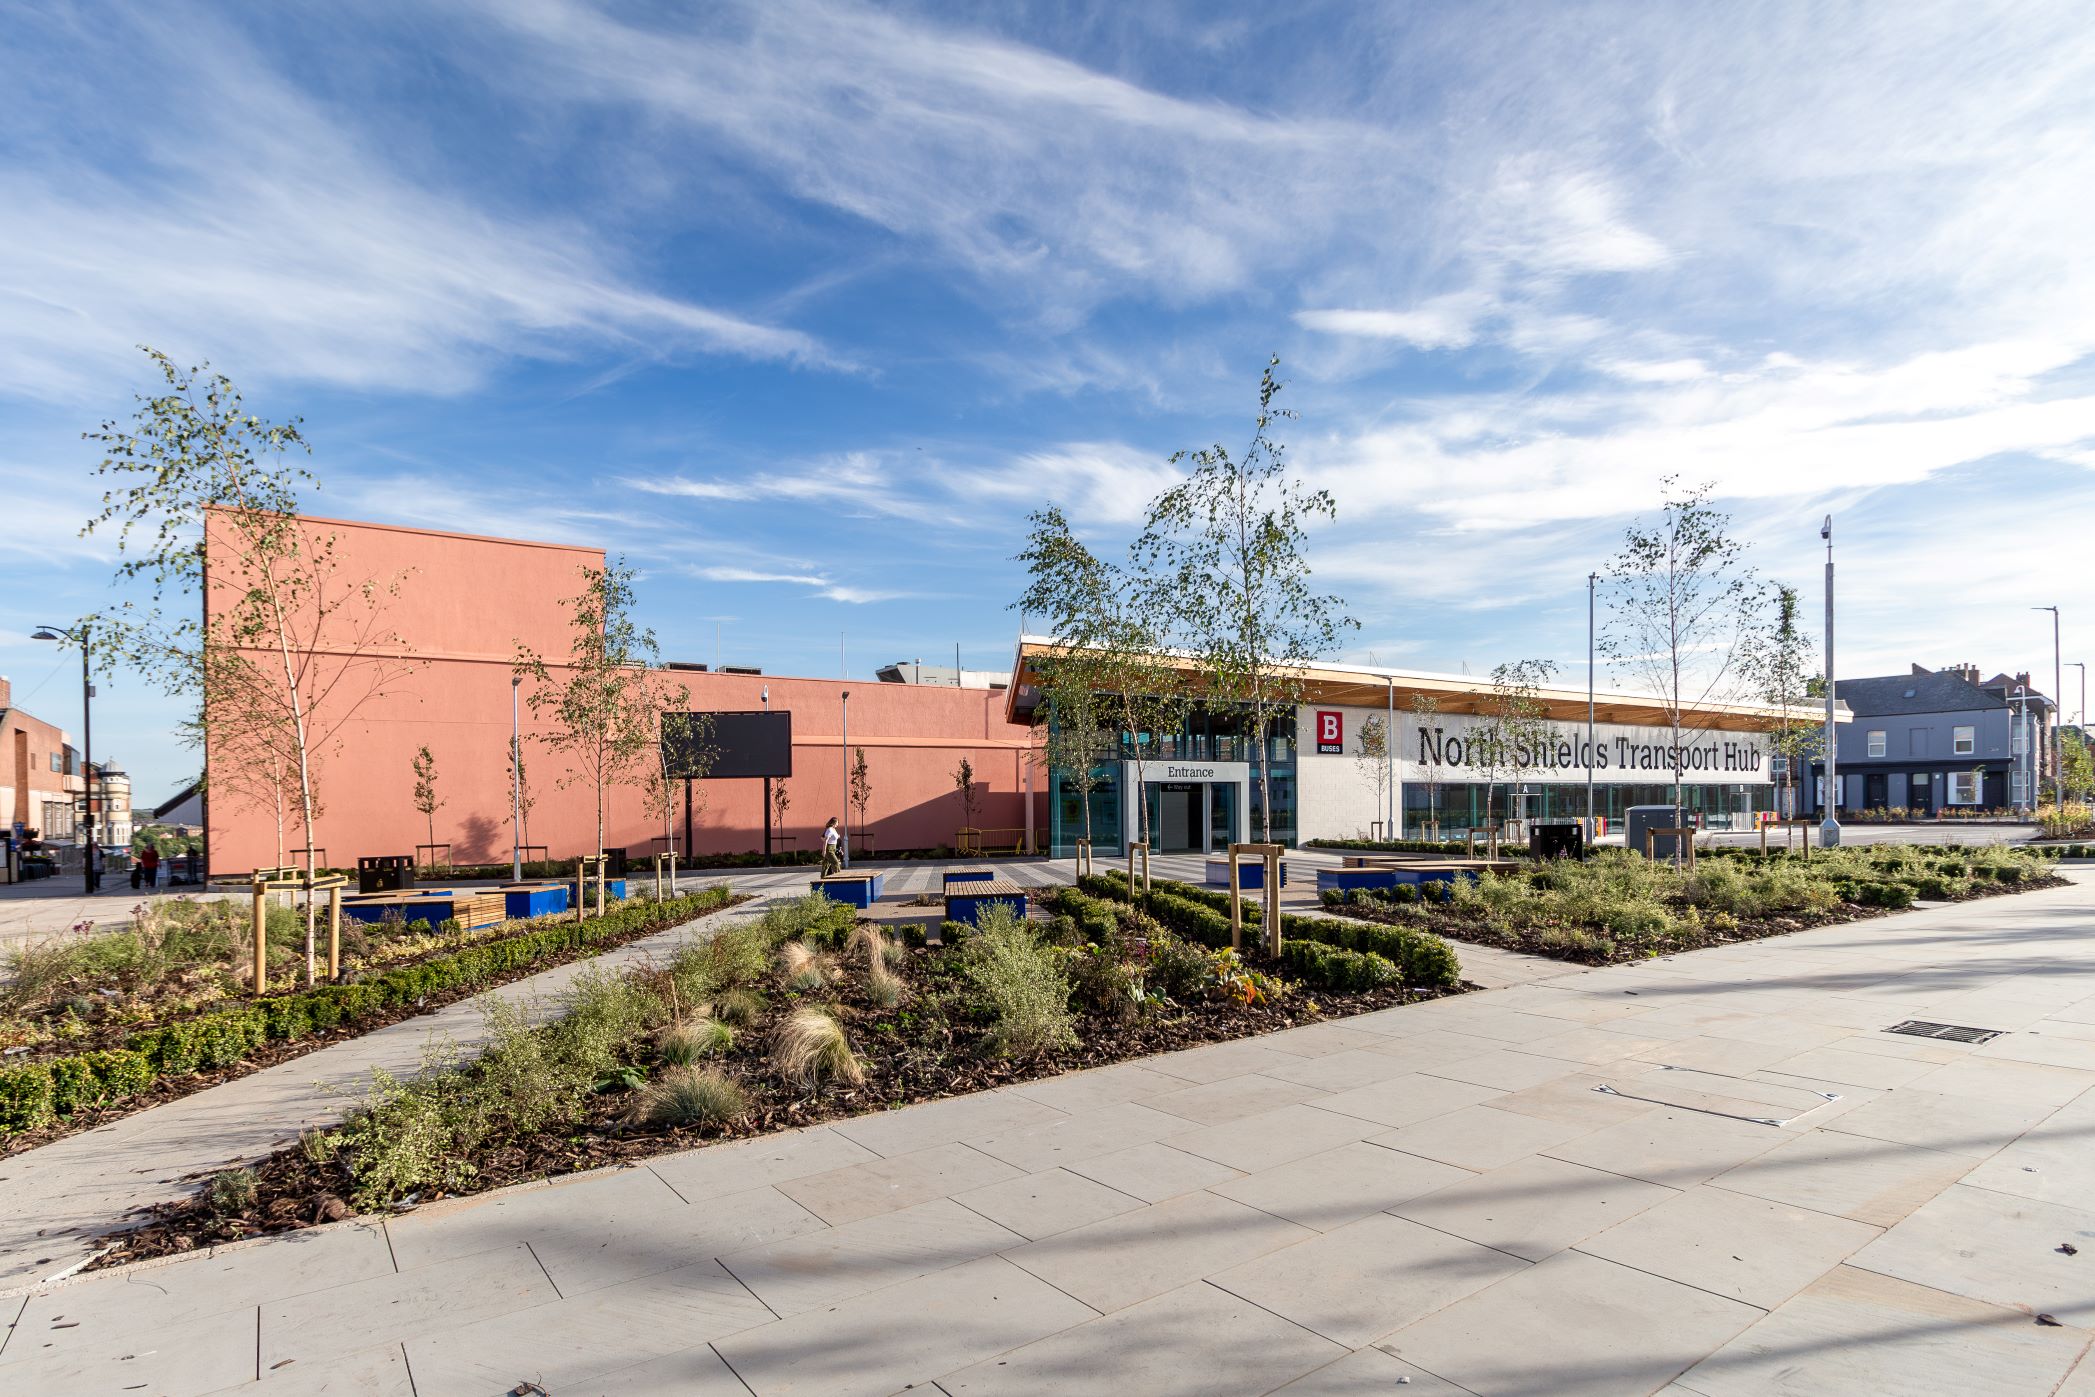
1250,874
964,907
535,902
857,892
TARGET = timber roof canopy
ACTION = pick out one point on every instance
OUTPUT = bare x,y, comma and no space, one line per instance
1371,686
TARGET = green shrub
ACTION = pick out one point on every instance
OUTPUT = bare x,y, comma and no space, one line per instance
26,1097
1023,984
233,1191
1335,968
1179,970
740,1008
1101,985
684,1044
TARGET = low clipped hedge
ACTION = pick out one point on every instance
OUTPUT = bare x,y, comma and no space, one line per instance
1335,968
37,1093
1395,846
1422,960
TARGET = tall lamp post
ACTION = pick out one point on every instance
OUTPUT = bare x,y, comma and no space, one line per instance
516,782
87,735
1592,829
2058,706
1829,829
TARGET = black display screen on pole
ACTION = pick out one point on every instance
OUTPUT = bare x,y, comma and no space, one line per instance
732,746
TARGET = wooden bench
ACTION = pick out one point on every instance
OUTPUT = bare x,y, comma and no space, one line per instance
1251,874
967,875
432,905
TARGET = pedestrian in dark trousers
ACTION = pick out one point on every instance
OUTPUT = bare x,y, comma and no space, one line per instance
832,859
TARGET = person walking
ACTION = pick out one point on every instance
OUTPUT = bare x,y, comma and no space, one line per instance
146,867
832,860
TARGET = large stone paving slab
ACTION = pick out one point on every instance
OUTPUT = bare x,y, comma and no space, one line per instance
883,1342
1574,1326
1997,1248
1357,1283
1115,1263
178,1360
822,1268
1858,1332
1535,1206
1847,1175
1196,1341
1728,1244
1335,1187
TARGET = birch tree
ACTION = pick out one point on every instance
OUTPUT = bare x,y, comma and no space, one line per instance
247,613
1511,728
603,704
1225,546
425,794
1372,759
1681,619
1779,666
1108,675
1425,712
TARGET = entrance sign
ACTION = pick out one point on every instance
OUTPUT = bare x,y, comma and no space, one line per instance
1331,732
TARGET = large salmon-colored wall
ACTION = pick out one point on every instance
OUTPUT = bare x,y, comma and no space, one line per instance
464,605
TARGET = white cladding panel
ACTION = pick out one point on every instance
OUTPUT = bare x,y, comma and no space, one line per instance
1338,792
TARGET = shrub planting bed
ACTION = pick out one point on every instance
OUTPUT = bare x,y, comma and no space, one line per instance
130,1019
1617,906
802,1016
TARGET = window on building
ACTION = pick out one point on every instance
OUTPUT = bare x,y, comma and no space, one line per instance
1916,742
1876,744
57,762
1964,786
2018,793
1964,741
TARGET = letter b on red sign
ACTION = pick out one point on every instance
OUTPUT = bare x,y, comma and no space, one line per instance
1331,731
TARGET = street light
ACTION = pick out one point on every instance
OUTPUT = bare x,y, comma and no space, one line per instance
87,734
1829,829
516,783
1592,830
2058,701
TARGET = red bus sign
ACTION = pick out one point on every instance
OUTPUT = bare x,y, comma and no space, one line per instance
1331,732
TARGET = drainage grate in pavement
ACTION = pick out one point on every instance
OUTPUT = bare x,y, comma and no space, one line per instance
1954,1033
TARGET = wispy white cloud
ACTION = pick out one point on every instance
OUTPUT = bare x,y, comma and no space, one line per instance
251,225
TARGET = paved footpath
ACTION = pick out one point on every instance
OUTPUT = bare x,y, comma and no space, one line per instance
1709,1175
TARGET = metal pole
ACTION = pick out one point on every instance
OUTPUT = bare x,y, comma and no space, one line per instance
87,751
1592,829
1389,754
846,841
516,782
767,793
2058,706
1829,829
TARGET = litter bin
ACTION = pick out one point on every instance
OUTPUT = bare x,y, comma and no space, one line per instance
1556,841
385,873
1640,820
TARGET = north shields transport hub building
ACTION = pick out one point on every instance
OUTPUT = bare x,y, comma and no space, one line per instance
1328,781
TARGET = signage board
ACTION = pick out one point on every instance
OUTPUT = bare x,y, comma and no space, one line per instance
1331,732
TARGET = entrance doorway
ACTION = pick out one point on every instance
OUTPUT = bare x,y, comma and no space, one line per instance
1178,819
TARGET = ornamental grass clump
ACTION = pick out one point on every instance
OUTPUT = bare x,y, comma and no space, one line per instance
810,1050
686,1097
1023,984
803,968
685,1044
739,1008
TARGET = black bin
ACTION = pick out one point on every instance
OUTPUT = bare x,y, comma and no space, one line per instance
385,873
1557,841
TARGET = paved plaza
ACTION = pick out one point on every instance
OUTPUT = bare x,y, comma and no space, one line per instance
1707,1175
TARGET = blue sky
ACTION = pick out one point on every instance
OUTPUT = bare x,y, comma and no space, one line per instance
802,305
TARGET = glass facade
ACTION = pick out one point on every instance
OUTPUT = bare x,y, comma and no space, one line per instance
1461,805
1219,734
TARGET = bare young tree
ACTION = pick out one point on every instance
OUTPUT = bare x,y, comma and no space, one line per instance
425,796
964,785
1779,665
604,704
1110,682
861,794
1681,617
1225,548
1511,729
278,643
1433,770
1372,758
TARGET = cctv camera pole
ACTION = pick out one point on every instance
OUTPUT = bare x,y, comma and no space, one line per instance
2058,708
1829,831
87,751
